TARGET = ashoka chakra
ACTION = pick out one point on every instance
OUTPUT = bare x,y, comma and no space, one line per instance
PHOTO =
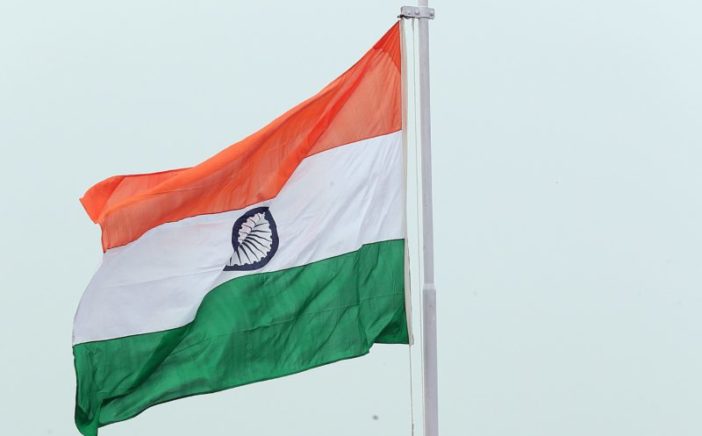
255,240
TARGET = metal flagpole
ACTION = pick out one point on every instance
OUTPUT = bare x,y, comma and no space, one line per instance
422,13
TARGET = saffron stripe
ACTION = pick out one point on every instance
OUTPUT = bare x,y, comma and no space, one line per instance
362,103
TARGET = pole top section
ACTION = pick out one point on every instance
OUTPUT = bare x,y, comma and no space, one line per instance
416,12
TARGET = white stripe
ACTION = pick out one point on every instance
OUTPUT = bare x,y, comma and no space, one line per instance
335,202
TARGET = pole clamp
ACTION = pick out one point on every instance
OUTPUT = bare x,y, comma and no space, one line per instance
416,12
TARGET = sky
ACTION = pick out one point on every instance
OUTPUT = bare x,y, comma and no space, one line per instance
566,141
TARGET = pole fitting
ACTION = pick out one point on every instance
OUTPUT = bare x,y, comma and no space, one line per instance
416,12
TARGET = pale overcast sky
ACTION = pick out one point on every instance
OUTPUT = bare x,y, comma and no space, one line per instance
567,152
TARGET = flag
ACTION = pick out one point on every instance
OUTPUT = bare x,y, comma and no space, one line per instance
281,253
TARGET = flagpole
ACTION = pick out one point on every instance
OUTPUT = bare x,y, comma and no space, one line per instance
422,13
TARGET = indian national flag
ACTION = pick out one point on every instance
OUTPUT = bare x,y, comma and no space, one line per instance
283,252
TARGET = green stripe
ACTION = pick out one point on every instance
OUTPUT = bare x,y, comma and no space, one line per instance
249,329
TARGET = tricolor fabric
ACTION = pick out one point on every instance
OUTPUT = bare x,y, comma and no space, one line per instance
283,252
